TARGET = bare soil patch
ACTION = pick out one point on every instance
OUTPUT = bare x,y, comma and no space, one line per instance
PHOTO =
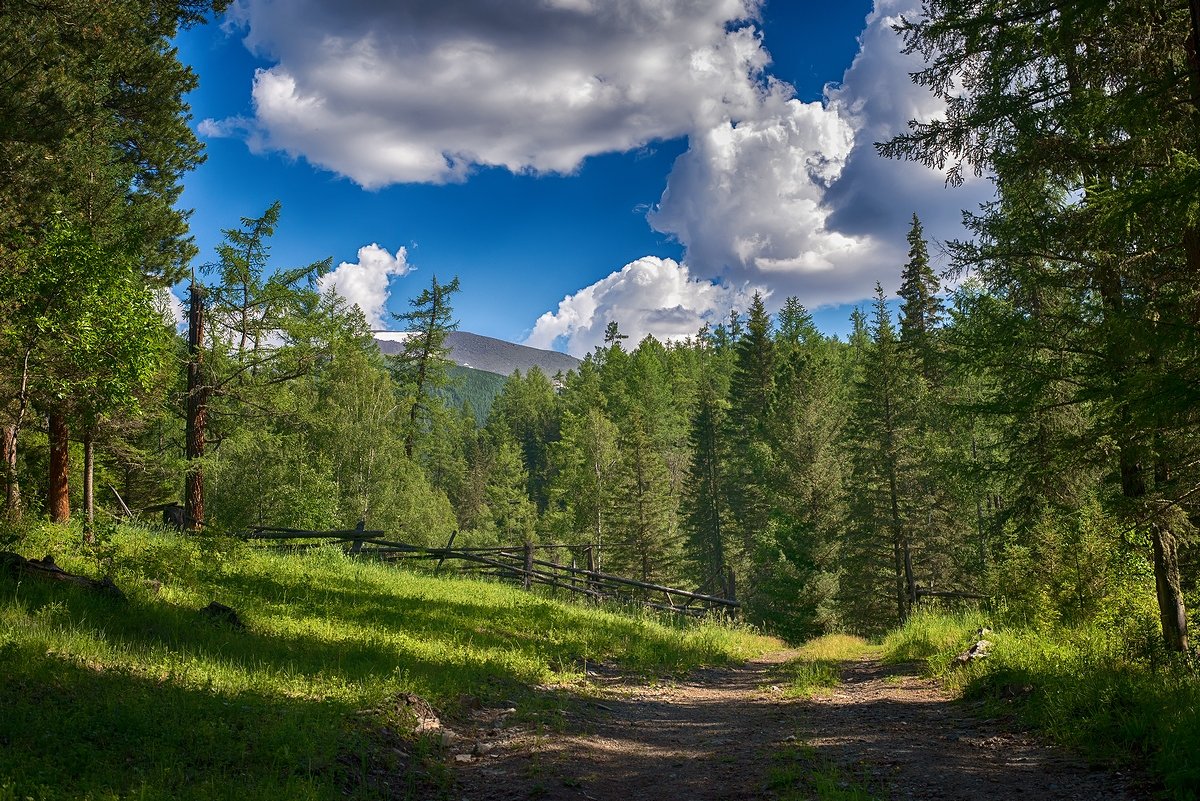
716,734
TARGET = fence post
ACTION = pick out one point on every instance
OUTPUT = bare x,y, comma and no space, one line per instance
528,564
357,546
442,558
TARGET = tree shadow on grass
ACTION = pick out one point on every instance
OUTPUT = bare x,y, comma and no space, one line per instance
72,730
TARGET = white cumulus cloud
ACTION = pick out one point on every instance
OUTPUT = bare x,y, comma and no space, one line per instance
796,198
365,282
648,296
747,199
772,192
791,197
422,91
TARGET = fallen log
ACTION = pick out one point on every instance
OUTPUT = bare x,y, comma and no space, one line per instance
45,568
979,650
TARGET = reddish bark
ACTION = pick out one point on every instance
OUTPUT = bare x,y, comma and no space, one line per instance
58,499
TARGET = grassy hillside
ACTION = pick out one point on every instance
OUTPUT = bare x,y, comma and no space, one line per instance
146,698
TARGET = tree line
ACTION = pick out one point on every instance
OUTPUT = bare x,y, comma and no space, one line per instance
1027,435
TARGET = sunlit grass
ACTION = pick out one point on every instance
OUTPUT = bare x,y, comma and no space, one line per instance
817,665
147,699
933,636
1116,696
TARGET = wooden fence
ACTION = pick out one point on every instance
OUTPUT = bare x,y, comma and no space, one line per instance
549,565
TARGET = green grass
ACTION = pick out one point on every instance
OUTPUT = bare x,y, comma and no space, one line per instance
1116,697
801,774
103,699
817,665
933,636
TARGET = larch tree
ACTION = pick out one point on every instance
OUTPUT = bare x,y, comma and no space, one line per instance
421,367
251,332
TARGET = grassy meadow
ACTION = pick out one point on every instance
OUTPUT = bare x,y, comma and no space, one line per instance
146,698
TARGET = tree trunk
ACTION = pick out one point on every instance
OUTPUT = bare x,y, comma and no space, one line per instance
9,439
58,499
8,455
905,589
89,489
197,412
1172,611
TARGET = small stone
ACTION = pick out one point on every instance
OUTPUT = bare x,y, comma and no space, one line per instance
463,758
220,613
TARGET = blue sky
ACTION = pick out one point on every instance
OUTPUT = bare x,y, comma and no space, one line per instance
572,161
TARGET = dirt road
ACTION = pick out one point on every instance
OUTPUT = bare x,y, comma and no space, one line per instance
726,733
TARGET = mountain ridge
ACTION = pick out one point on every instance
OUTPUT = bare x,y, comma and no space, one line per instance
491,355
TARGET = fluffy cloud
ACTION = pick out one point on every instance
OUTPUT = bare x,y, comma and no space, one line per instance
876,197
421,91
747,200
796,197
648,296
772,192
365,282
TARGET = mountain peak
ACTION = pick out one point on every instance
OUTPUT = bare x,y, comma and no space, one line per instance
488,354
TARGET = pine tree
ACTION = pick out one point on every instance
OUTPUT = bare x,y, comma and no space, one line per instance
94,139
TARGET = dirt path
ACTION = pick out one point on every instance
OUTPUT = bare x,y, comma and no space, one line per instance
718,734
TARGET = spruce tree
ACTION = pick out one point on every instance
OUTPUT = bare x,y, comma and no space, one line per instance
747,425
526,410
1073,107
921,309
644,532
704,504
883,477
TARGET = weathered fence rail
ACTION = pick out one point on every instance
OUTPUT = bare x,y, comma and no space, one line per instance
517,564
